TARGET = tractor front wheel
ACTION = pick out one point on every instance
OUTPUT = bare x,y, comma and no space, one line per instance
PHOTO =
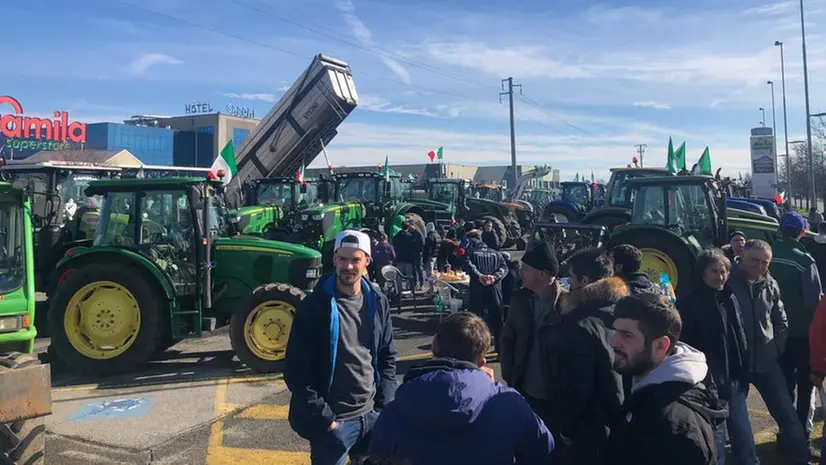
106,318
23,441
563,213
260,329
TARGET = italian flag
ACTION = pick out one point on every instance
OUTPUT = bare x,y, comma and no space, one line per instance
299,175
226,163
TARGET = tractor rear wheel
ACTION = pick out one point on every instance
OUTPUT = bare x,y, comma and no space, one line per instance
499,229
260,329
107,318
661,253
564,213
24,441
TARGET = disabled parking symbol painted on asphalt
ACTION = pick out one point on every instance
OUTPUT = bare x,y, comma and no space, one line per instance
120,408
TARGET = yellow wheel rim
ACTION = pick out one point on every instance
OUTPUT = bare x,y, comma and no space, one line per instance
102,320
655,262
267,329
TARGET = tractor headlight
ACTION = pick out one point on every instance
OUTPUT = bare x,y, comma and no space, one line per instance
305,217
11,323
318,217
313,273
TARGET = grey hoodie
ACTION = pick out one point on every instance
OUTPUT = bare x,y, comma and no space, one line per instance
687,365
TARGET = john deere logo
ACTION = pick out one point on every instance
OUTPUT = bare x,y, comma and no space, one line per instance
761,144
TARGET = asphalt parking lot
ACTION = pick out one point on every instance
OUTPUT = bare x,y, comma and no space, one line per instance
195,404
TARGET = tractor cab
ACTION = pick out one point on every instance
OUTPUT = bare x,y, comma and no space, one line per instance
449,190
164,221
689,206
490,192
373,190
62,213
616,192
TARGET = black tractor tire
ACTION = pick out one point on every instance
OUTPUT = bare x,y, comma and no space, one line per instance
151,304
418,222
559,210
22,442
285,293
672,247
499,229
514,234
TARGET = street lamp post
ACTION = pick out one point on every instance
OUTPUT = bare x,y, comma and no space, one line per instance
812,193
785,120
774,132
763,119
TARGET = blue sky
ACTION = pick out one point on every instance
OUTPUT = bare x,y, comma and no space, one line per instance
597,77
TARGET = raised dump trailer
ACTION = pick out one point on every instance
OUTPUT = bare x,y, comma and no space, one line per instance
299,126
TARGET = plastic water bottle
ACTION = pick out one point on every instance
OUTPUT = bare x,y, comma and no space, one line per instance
565,283
667,288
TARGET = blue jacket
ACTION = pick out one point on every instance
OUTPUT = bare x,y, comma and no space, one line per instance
450,412
312,350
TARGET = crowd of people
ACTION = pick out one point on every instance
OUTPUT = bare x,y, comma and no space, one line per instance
608,371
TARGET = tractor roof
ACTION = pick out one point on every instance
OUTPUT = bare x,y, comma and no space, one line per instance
276,180
664,171
128,185
447,180
648,180
574,183
362,174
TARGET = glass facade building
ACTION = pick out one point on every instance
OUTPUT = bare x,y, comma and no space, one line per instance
152,146
239,136
194,148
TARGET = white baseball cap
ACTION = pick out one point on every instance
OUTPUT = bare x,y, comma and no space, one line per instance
353,239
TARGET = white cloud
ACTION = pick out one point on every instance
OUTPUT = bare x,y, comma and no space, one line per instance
364,35
378,104
261,97
146,61
652,104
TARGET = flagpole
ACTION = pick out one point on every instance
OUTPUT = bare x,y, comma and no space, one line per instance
326,158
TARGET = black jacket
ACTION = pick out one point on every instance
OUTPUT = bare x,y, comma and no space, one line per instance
639,283
713,324
311,354
431,245
408,246
584,391
669,417
491,239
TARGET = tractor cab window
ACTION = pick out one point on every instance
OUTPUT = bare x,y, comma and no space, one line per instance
619,190
275,193
12,255
309,197
576,193
691,210
444,192
358,189
649,206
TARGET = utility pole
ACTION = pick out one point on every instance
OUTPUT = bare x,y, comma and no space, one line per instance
641,150
509,93
812,186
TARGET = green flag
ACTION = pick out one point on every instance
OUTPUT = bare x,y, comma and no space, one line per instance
670,162
386,168
705,162
440,153
679,156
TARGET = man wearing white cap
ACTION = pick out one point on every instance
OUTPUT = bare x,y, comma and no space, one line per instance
341,358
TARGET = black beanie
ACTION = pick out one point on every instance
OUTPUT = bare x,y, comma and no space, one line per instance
736,232
543,258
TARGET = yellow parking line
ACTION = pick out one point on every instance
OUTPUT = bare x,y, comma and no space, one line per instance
235,455
265,412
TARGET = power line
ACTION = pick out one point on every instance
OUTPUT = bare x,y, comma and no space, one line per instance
361,72
375,49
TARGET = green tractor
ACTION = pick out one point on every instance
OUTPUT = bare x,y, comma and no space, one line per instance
381,201
167,262
273,206
617,207
456,198
25,383
673,218
63,215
